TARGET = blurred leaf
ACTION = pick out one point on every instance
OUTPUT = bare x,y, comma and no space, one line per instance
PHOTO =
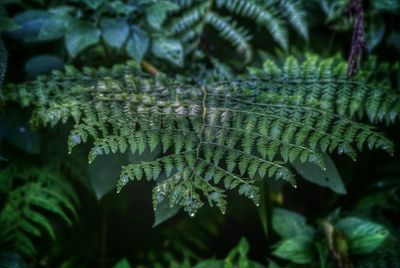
7,24
93,4
385,5
42,64
289,224
11,260
157,12
104,172
363,235
138,43
210,264
30,23
115,31
122,264
122,8
329,178
297,250
168,49
374,33
80,35
164,212
53,28
243,246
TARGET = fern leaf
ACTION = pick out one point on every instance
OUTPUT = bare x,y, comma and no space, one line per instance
221,135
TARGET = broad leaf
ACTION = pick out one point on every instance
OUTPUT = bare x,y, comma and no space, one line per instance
297,250
122,264
80,35
164,212
289,224
363,235
103,173
157,12
115,31
30,23
137,44
168,49
53,28
329,178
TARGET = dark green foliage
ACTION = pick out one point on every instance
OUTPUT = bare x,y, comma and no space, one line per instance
336,242
217,136
30,196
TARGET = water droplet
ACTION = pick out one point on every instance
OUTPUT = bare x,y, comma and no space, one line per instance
192,214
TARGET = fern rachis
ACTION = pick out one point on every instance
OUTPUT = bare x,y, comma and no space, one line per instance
220,135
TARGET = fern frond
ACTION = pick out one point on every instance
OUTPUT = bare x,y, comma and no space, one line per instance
264,14
190,22
28,193
219,136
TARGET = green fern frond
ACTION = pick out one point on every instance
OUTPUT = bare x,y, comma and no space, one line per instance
28,193
218,136
190,21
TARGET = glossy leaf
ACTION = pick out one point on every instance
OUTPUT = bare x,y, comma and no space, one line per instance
290,224
115,31
297,250
168,49
30,23
137,44
364,236
164,212
329,178
80,35
157,13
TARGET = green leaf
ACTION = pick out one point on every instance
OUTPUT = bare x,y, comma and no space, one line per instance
210,264
7,24
122,264
137,44
297,250
115,31
329,178
93,4
30,23
363,235
168,49
164,212
157,13
103,174
290,224
53,28
79,36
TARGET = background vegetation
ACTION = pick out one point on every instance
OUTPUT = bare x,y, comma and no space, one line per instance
199,98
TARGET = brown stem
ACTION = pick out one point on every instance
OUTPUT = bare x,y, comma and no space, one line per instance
148,67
